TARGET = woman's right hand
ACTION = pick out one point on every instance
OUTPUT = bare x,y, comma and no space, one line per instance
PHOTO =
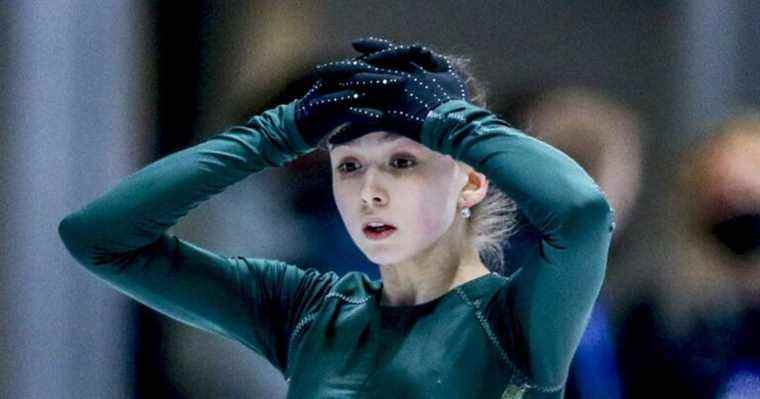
326,107
425,80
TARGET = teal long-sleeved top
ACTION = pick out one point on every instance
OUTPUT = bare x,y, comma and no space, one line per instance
491,337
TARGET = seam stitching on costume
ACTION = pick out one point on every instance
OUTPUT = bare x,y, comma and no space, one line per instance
348,299
301,323
309,317
484,323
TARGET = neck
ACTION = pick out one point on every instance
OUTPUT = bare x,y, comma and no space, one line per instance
430,274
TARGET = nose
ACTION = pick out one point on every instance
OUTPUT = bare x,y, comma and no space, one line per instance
372,193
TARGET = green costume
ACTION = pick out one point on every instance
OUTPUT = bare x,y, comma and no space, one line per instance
491,337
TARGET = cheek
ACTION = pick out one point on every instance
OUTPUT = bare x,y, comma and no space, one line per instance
434,210
341,195
442,184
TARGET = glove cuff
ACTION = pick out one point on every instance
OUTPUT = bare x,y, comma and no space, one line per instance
443,121
296,139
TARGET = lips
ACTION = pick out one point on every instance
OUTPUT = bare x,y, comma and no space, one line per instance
376,222
377,229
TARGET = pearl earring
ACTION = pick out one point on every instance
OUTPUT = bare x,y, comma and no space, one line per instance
466,213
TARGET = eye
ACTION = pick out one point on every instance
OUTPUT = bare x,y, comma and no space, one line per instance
347,167
403,163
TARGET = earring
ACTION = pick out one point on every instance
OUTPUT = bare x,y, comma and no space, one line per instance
465,213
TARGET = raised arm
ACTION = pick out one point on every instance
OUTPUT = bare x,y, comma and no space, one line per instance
121,236
552,294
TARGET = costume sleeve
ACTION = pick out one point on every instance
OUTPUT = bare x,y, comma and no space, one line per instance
121,238
551,295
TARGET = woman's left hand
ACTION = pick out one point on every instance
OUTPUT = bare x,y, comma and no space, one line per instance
427,81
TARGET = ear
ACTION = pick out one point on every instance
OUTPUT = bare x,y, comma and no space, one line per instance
474,190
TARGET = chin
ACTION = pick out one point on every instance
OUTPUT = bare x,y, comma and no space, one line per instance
383,256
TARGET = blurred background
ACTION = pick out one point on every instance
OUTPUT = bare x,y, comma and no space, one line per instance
656,99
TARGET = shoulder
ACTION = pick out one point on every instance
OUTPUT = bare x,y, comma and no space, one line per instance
498,298
355,287
481,292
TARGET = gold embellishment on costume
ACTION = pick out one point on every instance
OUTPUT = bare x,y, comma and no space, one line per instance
513,392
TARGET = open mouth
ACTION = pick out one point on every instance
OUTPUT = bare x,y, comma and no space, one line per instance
377,231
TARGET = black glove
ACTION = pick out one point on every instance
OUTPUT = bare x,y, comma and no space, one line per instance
326,107
409,58
427,80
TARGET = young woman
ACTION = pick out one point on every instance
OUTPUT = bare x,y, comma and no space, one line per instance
412,161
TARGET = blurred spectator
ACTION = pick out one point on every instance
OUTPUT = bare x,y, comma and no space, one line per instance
602,135
719,200
694,337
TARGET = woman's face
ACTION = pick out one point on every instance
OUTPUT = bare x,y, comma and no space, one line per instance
388,177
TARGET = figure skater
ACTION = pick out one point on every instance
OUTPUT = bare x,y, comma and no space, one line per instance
412,162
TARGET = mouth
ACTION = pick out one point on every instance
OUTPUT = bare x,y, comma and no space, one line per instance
378,231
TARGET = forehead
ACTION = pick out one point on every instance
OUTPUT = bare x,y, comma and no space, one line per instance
371,140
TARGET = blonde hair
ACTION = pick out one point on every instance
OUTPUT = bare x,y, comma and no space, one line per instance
494,219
